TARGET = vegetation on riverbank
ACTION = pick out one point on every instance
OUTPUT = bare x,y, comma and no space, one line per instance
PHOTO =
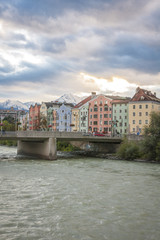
66,147
148,148
8,142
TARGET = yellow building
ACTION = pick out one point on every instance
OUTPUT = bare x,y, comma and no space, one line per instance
77,114
141,105
75,120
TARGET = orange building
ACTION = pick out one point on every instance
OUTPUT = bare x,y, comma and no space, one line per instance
34,117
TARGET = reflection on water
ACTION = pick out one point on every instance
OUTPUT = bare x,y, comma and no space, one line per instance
78,199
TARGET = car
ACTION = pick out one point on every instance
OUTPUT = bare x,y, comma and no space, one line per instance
98,134
87,134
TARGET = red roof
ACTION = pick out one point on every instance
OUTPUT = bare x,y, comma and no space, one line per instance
83,101
144,95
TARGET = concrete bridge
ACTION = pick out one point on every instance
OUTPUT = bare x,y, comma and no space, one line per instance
43,144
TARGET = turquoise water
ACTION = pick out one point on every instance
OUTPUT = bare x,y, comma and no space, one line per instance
78,199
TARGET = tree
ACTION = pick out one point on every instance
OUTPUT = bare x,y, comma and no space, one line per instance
151,142
129,150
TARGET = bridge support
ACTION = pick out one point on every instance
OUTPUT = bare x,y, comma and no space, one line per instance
45,149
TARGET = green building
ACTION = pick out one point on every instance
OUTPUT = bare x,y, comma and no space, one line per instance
120,117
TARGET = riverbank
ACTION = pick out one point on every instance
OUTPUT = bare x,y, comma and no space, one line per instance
84,154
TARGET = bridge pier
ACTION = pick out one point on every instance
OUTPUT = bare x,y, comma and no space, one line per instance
45,149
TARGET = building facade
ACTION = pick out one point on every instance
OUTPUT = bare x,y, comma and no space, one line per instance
34,117
100,114
140,107
120,117
63,117
80,114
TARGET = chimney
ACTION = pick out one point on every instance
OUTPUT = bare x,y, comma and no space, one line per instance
137,89
93,94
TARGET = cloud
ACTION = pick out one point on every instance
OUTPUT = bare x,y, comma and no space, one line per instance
51,42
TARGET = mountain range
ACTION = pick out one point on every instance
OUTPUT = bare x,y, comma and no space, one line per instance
17,105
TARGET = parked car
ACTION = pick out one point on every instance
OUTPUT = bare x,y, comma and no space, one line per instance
98,134
87,134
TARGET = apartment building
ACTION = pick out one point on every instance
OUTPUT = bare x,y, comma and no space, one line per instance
100,114
34,117
80,114
120,116
141,105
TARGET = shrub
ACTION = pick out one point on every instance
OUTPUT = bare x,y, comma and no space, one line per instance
129,150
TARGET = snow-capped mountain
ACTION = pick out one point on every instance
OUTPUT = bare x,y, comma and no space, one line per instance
69,98
17,105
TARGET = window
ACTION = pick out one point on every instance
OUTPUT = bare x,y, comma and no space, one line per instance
134,114
95,109
133,121
100,109
105,122
114,111
90,122
134,106
140,106
106,130
106,108
133,129
146,113
100,115
120,110
146,105
91,110
95,115
105,115
140,114
140,121
95,123
91,116
146,121
110,115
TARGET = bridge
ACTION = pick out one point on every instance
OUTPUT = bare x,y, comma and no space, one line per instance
43,143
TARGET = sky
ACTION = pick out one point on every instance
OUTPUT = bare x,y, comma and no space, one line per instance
52,47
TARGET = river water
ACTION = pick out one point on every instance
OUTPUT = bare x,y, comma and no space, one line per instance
78,199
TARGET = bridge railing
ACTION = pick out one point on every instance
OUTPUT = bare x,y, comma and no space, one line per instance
8,133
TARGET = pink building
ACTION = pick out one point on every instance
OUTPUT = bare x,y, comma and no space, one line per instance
100,114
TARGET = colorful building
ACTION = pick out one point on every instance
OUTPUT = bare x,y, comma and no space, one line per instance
63,117
34,117
100,114
141,105
80,115
120,116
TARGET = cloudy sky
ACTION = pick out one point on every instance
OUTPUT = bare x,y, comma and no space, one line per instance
52,47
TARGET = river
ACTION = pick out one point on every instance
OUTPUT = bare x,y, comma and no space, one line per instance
78,199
